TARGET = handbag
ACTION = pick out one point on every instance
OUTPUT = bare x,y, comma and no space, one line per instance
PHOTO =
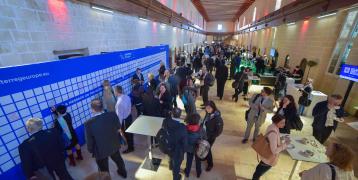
262,146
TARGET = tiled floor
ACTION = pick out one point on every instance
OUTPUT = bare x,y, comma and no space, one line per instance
232,160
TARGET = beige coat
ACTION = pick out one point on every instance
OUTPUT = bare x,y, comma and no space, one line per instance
323,172
275,145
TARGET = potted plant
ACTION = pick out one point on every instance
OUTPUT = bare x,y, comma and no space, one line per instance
310,64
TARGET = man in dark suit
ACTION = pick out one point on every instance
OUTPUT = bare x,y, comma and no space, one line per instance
138,77
43,153
326,115
103,138
221,76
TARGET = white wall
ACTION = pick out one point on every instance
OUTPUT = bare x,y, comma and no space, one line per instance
31,29
187,9
227,26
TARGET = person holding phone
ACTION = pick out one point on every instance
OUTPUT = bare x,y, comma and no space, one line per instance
326,116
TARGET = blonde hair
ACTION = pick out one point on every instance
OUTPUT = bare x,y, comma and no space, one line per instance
342,157
151,76
34,124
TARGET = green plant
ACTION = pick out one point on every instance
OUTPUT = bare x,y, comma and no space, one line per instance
310,64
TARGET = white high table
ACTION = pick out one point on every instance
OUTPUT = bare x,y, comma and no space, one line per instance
148,126
297,151
317,96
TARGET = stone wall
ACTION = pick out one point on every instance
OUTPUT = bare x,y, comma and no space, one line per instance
30,30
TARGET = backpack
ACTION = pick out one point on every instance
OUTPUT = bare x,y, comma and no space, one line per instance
202,149
166,140
211,79
219,125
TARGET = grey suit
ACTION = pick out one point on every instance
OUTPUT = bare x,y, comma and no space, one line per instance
257,116
102,138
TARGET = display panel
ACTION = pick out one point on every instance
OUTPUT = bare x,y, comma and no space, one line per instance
30,90
349,72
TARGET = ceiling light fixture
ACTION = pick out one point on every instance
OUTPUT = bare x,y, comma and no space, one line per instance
326,15
292,23
143,19
102,9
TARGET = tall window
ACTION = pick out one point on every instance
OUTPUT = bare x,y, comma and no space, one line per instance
278,4
220,27
254,15
344,42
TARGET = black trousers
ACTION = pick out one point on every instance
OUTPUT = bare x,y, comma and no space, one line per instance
261,169
129,136
117,158
220,87
61,172
205,94
322,134
175,163
189,161
237,93
209,158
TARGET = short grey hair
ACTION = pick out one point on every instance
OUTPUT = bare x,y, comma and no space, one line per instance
34,124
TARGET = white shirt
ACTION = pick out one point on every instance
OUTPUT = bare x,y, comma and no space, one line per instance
331,116
123,107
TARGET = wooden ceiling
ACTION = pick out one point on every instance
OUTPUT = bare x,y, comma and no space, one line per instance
222,10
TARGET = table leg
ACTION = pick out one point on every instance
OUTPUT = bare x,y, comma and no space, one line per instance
296,166
151,163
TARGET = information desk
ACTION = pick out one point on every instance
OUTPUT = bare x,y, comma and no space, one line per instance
148,126
317,96
305,149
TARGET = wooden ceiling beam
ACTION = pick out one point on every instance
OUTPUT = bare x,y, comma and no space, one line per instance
199,6
242,9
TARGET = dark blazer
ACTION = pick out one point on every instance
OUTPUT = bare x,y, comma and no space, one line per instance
151,105
102,135
290,114
222,73
210,123
42,149
320,115
136,77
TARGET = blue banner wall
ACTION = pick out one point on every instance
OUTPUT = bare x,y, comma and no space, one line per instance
30,90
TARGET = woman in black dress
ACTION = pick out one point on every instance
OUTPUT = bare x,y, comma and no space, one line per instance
289,111
61,114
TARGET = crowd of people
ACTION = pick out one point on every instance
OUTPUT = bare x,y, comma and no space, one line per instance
43,153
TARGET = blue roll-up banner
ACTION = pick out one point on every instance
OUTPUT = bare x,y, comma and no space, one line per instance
30,90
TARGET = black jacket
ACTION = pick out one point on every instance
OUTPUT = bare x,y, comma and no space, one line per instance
102,134
210,125
181,137
151,105
42,149
166,104
320,115
222,73
161,70
68,120
290,114
135,77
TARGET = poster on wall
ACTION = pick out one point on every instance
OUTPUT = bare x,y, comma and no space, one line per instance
30,90
349,72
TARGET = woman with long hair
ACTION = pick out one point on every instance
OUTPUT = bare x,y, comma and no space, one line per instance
288,109
213,125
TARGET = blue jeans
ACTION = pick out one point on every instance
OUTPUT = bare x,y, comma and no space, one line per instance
189,160
261,169
301,109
